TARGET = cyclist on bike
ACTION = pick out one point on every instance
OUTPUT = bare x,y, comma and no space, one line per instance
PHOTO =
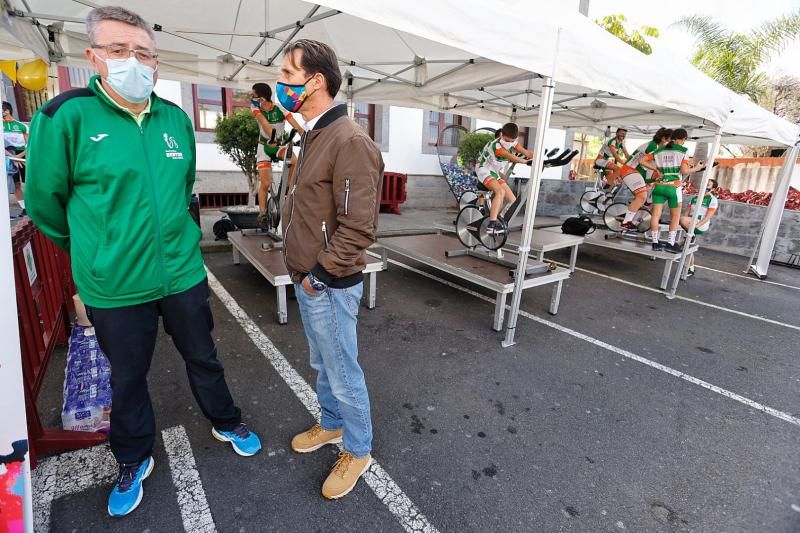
269,118
493,158
612,156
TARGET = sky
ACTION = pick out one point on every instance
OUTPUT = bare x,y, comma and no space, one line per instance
738,15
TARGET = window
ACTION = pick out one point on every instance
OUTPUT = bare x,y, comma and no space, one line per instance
215,200
238,99
364,116
74,77
208,105
439,121
211,102
524,136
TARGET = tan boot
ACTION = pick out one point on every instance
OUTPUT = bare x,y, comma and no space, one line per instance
315,438
344,475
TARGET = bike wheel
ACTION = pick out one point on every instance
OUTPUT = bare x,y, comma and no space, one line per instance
492,239
642,220
467,226
614,215
603,202
588,201
273,212
467,198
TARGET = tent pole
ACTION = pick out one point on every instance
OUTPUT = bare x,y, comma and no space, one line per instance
530,211
774,214
351,108
701,191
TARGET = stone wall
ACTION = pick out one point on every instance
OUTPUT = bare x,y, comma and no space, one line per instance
560,197
428,192
422,191
208,181
734,228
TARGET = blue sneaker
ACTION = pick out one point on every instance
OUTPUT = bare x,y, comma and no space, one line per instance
244,441
127,493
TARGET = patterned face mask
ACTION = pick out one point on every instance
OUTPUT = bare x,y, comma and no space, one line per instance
292,97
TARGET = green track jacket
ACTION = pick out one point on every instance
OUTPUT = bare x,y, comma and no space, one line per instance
115,195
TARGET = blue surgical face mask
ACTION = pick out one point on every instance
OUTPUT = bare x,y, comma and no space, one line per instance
130,79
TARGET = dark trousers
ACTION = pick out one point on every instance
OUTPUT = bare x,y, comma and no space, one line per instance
127,335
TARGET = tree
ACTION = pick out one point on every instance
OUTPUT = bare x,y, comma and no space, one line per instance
469,149
736,59
782,97
615,25
237,137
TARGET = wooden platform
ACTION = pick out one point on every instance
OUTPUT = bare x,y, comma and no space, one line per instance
608,239
430,250
543,240
269,262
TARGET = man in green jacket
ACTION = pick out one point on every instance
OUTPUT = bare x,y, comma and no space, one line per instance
110,174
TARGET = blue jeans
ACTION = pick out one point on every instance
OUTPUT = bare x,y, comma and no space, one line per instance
329,320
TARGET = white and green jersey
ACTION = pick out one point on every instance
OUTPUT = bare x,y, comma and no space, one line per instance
15,135
491,158
709,202
638,156
605,150
668,160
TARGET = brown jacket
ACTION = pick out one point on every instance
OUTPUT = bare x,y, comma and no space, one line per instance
331,214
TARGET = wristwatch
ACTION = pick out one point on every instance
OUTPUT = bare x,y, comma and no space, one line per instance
316,284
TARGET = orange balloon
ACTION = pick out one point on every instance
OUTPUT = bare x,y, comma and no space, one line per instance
33,75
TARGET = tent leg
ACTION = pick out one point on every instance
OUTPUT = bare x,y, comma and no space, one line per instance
774,214
530,212
701,190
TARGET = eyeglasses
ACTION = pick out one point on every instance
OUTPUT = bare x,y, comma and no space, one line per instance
118,53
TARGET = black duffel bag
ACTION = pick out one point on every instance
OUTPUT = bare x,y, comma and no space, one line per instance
580,226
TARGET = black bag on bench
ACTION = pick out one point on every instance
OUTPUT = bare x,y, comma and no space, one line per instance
580,226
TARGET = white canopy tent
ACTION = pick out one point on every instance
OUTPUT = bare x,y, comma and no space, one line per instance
444,56
433,55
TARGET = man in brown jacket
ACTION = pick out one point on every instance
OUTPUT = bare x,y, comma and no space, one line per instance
329,220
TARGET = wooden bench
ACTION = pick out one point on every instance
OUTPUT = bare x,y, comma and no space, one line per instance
431,250
269,262
542,241
601,239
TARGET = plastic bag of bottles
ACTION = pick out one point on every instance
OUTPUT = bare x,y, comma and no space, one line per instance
87,383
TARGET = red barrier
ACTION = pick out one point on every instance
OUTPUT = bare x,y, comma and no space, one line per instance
44,300
393,192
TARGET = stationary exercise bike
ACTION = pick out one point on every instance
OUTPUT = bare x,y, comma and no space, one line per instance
271,223
473,219
597,199
615,214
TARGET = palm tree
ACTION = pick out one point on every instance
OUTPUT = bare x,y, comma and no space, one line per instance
735,59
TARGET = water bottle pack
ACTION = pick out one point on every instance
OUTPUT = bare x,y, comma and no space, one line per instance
87,383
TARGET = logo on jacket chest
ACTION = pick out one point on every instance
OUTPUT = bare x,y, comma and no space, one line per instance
172,147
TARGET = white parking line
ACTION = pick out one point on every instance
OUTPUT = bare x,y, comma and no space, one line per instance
684,298
625,353
73,472
384,487
69,473
751,278
192,502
